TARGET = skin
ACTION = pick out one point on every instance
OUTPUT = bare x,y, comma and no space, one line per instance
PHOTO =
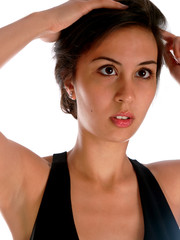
46,24
172,58
99,97
99,156
98,163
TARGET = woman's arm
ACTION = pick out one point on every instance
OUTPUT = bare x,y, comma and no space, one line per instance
23,174
46,25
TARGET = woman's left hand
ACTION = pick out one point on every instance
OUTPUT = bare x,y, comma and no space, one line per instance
172,54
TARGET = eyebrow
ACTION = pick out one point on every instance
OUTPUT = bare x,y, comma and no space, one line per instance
114,61
106,58
147,62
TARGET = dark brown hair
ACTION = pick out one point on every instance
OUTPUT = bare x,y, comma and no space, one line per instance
95,26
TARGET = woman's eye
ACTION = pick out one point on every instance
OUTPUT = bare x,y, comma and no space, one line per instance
107,70
144,73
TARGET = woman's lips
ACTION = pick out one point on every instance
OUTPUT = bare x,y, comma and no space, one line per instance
123,119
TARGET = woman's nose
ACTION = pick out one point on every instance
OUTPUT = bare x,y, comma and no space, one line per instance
125,92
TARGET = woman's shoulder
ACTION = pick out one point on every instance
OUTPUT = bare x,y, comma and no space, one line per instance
167,173
23,176
165,169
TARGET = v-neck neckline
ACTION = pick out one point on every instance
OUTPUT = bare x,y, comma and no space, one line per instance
159,221
72,216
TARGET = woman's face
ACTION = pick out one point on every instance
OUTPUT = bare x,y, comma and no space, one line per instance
115,84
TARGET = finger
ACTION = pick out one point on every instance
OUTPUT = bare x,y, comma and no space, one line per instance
170,60
169,46
167,36
108,4
176,48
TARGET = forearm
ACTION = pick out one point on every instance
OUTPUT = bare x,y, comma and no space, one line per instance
46,25
17,35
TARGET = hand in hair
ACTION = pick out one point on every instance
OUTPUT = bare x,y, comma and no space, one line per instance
46,24
62,16
172,54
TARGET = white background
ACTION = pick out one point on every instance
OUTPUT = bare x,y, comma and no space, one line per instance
29,99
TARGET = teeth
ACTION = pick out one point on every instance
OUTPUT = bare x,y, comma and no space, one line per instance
122,117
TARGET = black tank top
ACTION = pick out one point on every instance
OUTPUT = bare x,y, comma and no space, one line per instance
55,218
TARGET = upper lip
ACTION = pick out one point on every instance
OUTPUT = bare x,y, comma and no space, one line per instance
124,114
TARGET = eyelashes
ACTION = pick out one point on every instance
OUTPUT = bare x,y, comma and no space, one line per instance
107,70
110,70
144,73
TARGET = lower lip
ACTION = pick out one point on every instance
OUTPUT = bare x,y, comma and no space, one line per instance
122,123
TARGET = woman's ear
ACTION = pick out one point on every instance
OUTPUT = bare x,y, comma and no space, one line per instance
69,86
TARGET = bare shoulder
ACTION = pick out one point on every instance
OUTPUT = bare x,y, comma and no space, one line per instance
23,176
167,174
168,170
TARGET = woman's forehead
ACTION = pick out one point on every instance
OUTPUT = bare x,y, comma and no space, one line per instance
132,41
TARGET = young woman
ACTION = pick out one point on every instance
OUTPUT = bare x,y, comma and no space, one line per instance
108,64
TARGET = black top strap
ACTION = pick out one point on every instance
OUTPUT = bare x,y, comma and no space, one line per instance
55,218
158,218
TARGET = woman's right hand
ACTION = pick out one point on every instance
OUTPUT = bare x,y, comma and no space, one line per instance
62,16
46,25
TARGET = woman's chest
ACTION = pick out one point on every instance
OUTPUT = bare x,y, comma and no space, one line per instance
109,215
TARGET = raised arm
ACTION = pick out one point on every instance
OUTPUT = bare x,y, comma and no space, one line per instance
23,174
46,25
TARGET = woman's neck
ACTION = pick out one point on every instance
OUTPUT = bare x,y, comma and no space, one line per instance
99,160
